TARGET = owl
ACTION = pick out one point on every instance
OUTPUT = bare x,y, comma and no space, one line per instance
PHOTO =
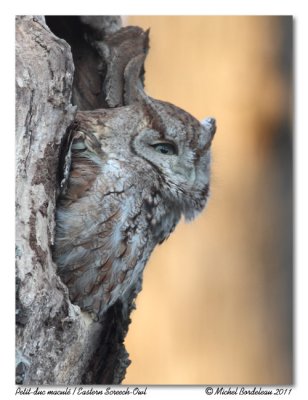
130,174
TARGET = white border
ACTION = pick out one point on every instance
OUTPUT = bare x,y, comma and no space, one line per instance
157,7
160,7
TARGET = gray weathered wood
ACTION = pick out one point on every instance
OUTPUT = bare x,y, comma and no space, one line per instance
56,343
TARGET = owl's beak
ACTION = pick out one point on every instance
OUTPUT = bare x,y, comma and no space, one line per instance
189,175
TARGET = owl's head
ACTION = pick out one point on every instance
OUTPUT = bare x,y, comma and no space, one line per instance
177,146
154,145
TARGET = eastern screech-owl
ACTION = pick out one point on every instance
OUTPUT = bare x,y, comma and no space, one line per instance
131,172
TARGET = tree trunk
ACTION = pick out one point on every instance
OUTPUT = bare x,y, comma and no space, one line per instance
56,343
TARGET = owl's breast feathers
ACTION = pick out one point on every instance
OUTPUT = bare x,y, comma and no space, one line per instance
120,197
105,230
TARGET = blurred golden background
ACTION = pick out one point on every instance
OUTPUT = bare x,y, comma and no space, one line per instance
216,304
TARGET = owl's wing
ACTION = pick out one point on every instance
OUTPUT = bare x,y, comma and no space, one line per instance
95,257
79,144
87,249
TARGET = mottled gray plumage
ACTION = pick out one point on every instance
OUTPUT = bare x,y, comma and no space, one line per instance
124,193
129,174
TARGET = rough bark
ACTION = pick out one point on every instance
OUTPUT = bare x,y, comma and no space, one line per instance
82,34
56,343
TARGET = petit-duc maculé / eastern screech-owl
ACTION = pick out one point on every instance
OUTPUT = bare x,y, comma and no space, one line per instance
130,174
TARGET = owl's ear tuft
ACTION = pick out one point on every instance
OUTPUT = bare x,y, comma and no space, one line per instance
209,124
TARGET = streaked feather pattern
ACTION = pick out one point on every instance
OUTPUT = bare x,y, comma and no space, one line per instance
120,197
